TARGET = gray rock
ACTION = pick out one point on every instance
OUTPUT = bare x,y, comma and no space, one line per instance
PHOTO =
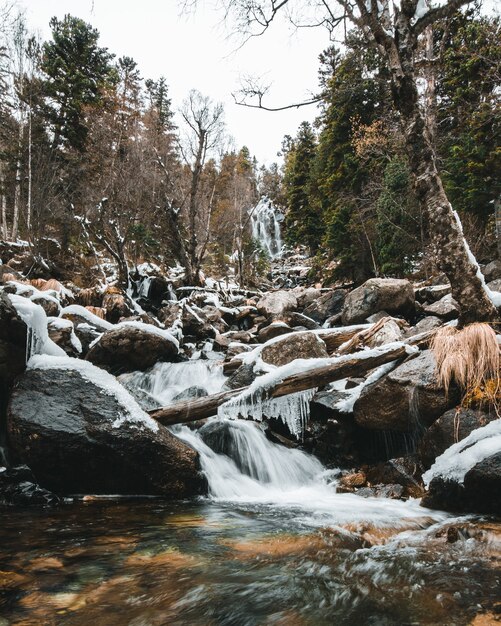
446,308
432,293
495,285
276,303
492,271
275,329
389,294
326,305
406,399
301,345
243,377
72,435
426,324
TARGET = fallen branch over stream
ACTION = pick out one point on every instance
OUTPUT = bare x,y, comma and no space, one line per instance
314,375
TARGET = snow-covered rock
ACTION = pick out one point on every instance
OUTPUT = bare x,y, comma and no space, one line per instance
276,303
80,431
130,346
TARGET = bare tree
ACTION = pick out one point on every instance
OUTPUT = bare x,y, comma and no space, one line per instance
204,132
396,30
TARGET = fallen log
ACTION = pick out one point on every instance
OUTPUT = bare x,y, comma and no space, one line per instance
343,367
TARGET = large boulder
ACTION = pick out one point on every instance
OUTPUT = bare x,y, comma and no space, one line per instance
471,485
405,399
275,329
453,426
446,308
393,295
301,345
13,334
276,303
326,305
133,346
81,432
492,271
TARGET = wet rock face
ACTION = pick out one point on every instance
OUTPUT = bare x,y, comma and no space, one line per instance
479,493
127,349
301,345
389,294
18,486
65,429
276,303
406,399
451,427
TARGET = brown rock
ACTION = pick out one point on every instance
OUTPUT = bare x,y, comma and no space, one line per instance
301,345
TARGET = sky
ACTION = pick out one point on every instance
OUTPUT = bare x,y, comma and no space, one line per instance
197,51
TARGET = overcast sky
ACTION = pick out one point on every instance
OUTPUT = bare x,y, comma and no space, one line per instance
195,52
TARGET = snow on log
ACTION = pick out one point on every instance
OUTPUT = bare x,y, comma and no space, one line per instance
299,375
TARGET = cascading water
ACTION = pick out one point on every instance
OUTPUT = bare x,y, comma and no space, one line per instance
242,465
265,223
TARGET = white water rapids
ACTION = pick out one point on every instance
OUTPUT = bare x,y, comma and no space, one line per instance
246,468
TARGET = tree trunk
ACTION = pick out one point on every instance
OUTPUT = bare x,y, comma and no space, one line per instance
192,273
359,364
5,233
497,209
17,189
455,258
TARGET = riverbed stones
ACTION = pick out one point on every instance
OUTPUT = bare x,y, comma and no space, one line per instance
73,436
276,303
129,348
393,295
300,345
275,329
406,399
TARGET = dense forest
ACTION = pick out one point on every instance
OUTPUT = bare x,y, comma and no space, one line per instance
91,158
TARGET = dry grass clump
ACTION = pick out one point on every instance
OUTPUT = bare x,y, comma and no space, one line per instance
470,357
98,311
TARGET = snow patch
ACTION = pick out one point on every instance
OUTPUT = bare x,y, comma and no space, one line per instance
461,457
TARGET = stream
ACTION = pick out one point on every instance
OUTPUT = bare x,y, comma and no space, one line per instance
273,543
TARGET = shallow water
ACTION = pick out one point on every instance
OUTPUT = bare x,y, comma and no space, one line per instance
145,563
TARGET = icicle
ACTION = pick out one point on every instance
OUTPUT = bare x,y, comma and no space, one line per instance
293,409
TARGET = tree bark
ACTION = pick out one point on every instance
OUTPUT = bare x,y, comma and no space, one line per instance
497,208
452,251
201,408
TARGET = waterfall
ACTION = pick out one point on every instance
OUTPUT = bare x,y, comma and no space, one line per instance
265,223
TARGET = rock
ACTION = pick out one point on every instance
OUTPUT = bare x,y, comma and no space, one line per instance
495,285
479,493
276,303
446,308
405,399
492,271
243,377
86,334
62,333
356,479
128,348
395,492
426,324
79,439
306,295
393,295
192,393
373,319
8,273
13,334
294,319
49,304
432,293
326,305
453,426
389,333
275,329
169,314
18,486
405,471
235,348
116,306
301,345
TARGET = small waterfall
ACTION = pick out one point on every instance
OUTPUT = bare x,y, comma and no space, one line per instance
265,223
